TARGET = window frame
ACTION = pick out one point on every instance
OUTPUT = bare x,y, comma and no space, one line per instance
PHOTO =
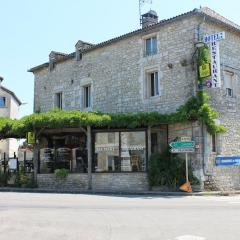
119,132
214,143
87,96
58,100
4,102
155,92
229,86
153,46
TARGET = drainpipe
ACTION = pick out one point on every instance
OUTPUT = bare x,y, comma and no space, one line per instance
202,124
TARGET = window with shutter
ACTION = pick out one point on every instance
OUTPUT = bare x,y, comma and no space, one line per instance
229,83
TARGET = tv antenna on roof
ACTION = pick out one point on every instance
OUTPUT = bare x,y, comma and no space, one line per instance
141,3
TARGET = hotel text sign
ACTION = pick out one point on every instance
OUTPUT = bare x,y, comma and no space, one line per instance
213,42
214,37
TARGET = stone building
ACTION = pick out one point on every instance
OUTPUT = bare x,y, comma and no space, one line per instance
150,69
9,107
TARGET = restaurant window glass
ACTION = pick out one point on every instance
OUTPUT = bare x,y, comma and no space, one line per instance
120,151
67,151
107,152
133,151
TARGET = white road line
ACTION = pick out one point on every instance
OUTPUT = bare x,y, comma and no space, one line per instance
189,237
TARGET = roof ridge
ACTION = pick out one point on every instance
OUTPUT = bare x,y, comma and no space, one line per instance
11,93
214,14
59,53
203,11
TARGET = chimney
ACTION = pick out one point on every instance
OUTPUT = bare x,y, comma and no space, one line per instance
149,18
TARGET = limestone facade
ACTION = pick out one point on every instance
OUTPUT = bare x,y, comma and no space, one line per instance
118,70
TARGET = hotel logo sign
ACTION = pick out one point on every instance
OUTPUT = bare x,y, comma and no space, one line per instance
213,42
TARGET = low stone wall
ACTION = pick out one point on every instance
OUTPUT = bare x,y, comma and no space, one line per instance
73,182
120,182
103,182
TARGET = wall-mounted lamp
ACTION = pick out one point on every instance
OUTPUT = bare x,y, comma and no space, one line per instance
199,44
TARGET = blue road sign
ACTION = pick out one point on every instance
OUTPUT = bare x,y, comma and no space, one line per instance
227,161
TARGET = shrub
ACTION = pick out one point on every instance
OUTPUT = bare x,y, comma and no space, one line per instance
23,180
3,179
61,173
31,181
168,170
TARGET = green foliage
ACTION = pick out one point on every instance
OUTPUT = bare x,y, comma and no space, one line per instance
3,179
61,173
168,170
204,55
31,183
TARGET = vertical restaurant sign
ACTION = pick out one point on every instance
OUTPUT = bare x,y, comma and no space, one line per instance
213,42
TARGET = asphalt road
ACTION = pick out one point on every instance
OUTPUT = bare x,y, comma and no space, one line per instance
25,216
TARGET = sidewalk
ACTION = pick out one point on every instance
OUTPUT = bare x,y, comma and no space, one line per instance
147,193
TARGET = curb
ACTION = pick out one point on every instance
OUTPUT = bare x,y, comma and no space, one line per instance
143,193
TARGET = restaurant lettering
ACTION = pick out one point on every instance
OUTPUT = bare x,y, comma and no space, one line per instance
213,42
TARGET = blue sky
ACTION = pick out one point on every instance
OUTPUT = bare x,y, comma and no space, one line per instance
30,29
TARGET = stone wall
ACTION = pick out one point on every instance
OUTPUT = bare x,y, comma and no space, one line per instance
73,183
228,144
101,182
117,73
120,182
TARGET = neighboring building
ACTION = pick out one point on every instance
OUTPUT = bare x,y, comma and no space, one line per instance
9,107
150,69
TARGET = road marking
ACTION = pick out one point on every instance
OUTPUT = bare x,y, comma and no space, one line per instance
235,202
190,237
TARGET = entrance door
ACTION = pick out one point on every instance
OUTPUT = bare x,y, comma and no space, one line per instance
159,139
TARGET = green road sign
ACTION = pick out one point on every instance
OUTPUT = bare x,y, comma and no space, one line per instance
182,150
190,144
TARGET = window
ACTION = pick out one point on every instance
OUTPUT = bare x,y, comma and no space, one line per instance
120,151
229,83
107,152
151,46
213,143
87,96
152,84
2,102
79,55
58,100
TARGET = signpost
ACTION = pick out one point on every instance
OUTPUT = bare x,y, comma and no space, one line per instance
190,144
185,145
182,150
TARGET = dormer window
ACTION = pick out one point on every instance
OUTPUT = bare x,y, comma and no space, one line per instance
79,55
51,65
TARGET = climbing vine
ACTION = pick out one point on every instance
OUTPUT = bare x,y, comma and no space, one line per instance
206,113
196,108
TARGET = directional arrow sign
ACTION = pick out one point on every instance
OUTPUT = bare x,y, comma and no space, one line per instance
182,150
190,144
